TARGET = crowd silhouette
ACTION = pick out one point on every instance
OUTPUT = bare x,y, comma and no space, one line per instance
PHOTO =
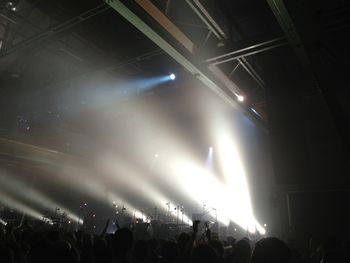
43,243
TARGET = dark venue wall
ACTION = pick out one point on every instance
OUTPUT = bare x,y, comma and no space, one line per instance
309,122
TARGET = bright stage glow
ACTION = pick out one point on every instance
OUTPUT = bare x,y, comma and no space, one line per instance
237,185
172,76
209,161
16,187
120,174
19,206
240,98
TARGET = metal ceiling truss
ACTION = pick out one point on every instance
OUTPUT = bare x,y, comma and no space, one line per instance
204,15
214,28
281,13
47,34
251,71
247,51
158,16
183,40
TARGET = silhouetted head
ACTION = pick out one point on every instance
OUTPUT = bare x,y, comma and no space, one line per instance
123,241
6,255
271,250
217,245
182,241
204,253
242,251
169,251
141,252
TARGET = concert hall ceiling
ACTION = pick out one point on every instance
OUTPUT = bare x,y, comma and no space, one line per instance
281,64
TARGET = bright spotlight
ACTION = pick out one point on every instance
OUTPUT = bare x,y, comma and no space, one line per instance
252,229
156,155
3,222
240,98
172,76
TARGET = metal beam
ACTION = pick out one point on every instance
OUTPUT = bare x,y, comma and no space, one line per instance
26,153
180,37
247,51
197,7
210,19
55,30
206,21
281,13
320,72
177,56
251,71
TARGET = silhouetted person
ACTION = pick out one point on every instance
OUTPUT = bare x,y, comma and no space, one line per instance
271,250
242,251
218,247
64,253
204,253
6,255
333,251
102,251
170,252
123,241
184,245
141,252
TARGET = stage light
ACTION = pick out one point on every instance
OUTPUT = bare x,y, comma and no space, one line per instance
108,164
240,98
19,206
256,113
262,231
236,184
3,222
172,76
31,195
252,230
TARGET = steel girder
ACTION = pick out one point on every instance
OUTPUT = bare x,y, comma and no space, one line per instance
136,21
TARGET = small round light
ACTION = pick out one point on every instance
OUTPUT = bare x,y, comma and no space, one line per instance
172,76
240,98
156,155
